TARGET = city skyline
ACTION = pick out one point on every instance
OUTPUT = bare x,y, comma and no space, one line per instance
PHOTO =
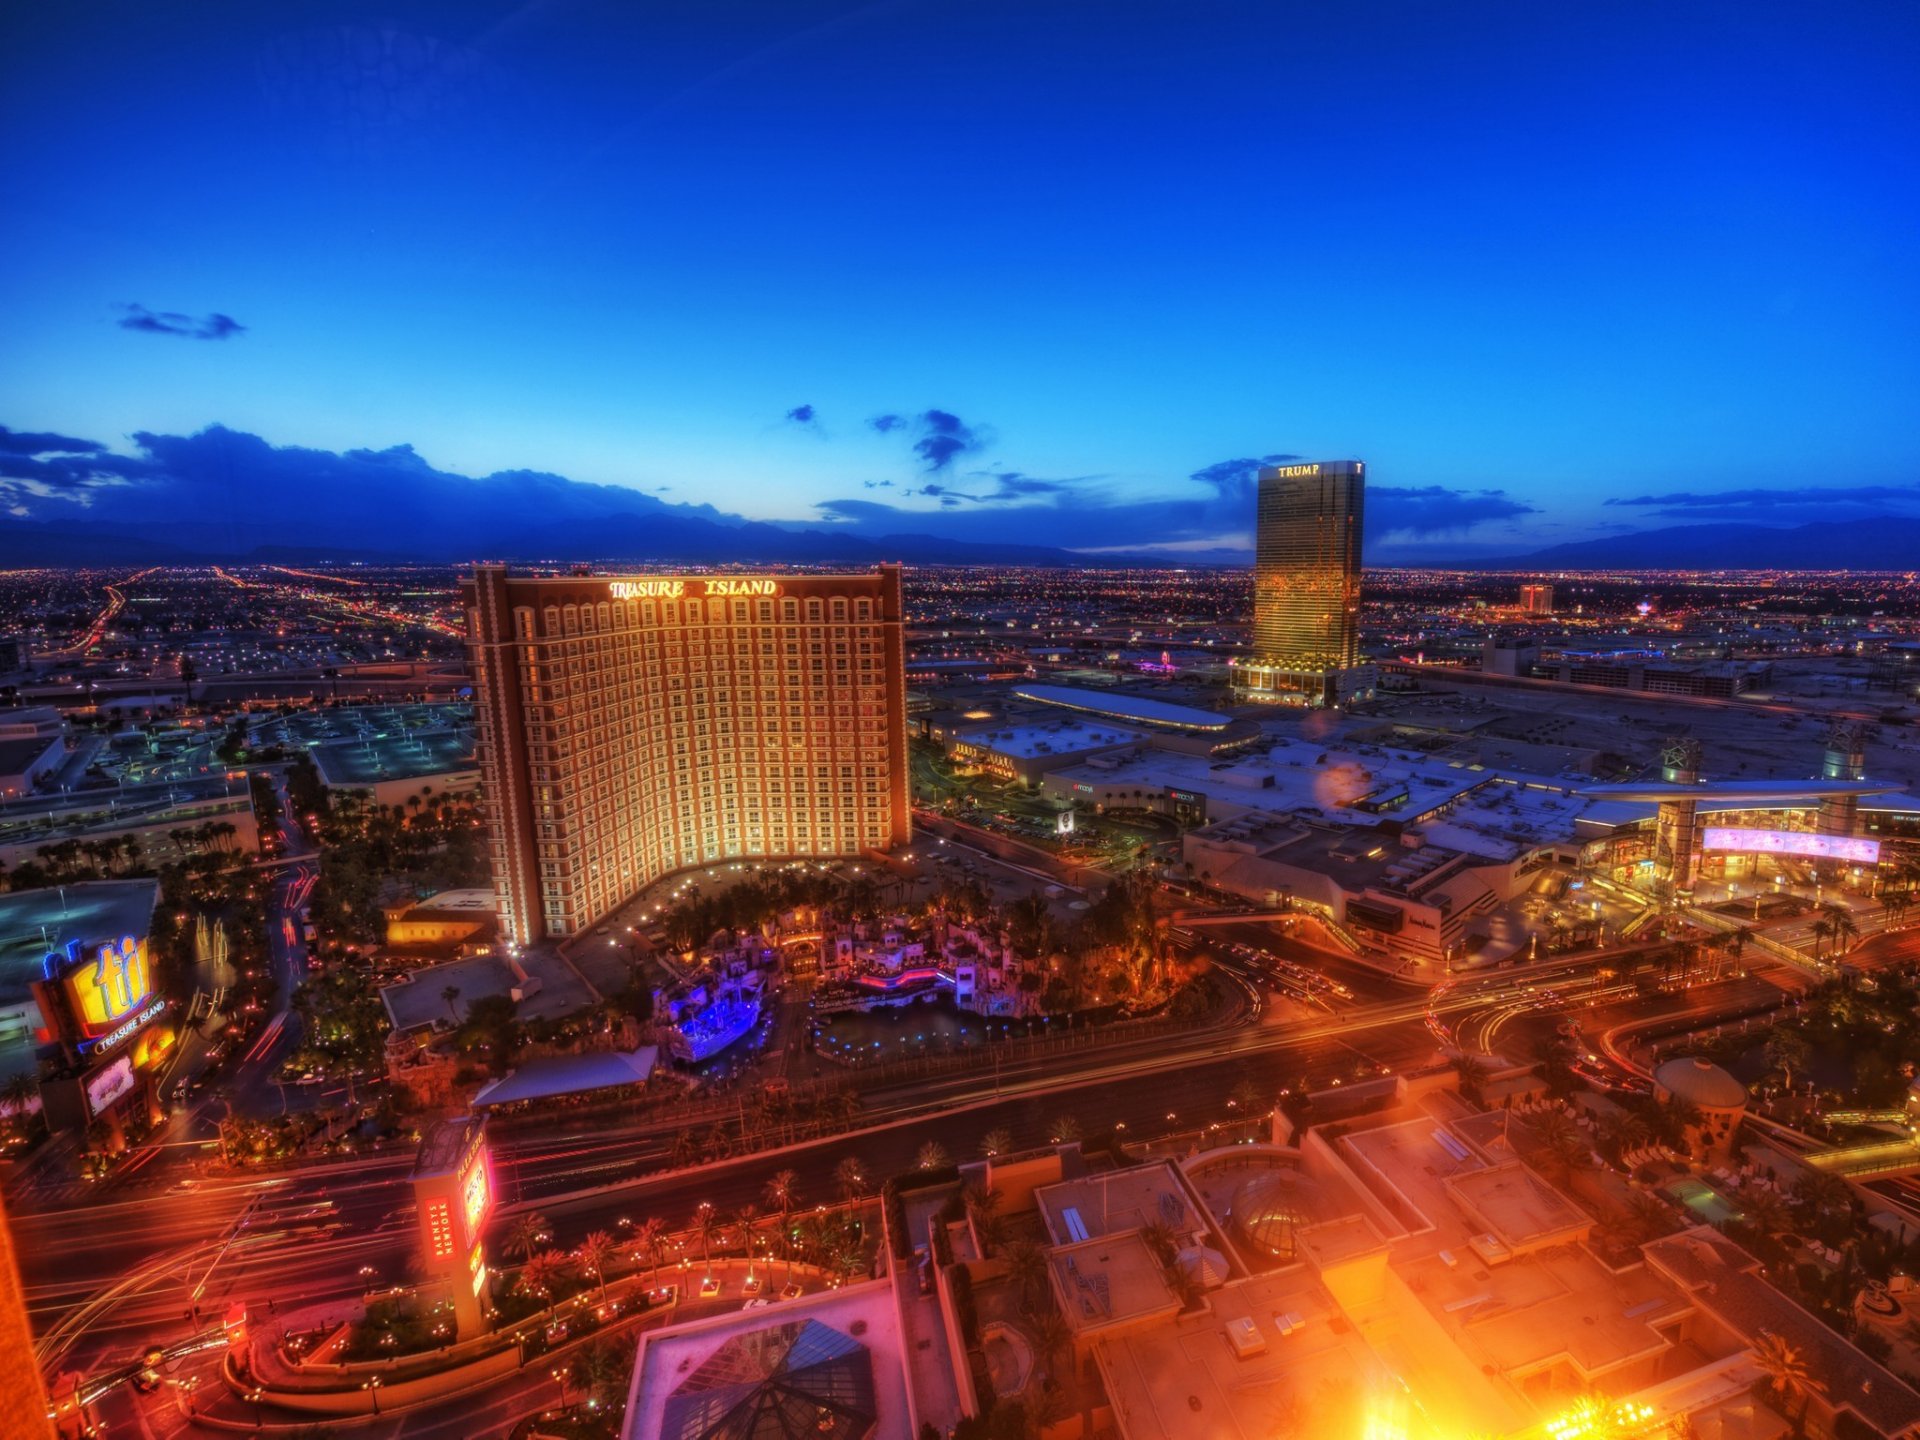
1555,277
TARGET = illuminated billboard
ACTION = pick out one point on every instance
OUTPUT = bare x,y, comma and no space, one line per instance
476,1194
107,990
1792,842
108,1085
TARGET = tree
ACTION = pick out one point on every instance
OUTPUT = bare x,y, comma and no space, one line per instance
996,1142
593,1254
1051,1334
451,993
1786,1051
1472,1070
650,1242
541,1274
932,1156
527,1234
1027,1269
851,1176
17,1095
1765,1210
1841,926
1064,1129
706,1224
1787,1371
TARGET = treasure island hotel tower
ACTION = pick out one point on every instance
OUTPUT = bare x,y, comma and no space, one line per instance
1306,585
634,725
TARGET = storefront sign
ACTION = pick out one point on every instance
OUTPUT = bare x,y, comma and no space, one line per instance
722,586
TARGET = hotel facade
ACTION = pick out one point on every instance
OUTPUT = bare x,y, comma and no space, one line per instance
1306,584
631,726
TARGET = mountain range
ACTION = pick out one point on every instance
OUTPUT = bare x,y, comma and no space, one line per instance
665,537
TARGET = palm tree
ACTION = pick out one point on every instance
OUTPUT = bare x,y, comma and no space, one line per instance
1822,1192
996,1142
745,1219
1472,1071
783,1193
851,1176
1626,1131
528,1233
650,1241
593,1254
1766,1211
1841,926
451,993
1249,1097
541,1273
1065,1129
706,1222
1161,1240
17,1094
1051,1334
1027,1269
932,1156
1787,1371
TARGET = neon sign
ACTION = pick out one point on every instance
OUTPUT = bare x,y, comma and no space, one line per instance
1295,472
725,586
109,990
1792,842
440,1229
132,1025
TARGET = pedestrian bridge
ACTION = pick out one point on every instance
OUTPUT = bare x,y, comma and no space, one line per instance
1869,1160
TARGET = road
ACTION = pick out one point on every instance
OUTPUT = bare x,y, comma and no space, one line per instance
108,1278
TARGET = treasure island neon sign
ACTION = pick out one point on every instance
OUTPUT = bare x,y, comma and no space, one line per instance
675,589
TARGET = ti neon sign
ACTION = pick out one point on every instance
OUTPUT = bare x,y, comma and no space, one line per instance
112,988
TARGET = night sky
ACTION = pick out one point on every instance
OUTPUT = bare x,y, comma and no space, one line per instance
1552,270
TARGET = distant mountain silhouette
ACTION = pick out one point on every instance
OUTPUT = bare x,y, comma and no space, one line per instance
661,536
1884,542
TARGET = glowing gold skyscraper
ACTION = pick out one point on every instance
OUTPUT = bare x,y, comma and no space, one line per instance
1306,584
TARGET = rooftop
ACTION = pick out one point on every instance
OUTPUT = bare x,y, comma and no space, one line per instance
1138,709
410,756
36,923
1047,737
549,1076
808,1348
1110,1280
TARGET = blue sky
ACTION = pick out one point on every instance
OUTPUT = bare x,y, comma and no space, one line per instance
1524,259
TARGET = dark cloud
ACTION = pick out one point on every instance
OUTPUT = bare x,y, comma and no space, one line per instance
1712,504
29,442
801,414
1436,510
886,423
242,490
1084,513
944,438
213,326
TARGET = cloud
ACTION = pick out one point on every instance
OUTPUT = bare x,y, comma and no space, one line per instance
801,415
941,437
242,490
212,326
1091,513
1435,510
1811,498
944,438
29,442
